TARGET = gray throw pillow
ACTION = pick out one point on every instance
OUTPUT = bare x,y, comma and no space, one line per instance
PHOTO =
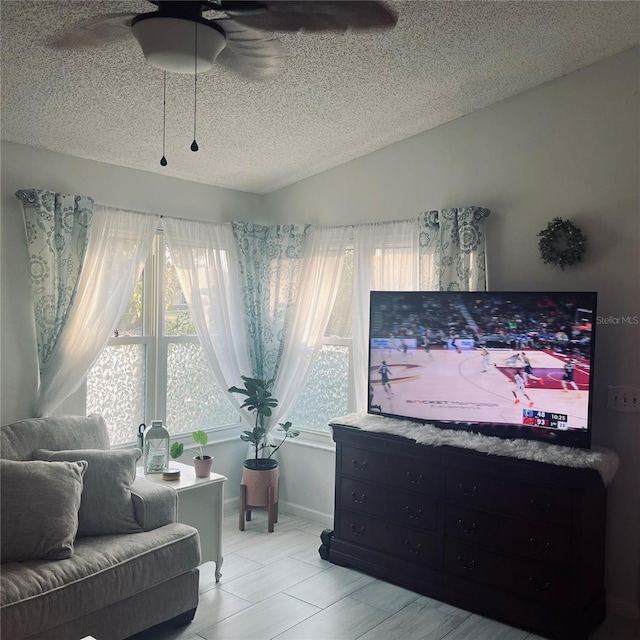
39,505
106,505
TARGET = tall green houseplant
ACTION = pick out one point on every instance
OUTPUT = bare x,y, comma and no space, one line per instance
259,401
260,474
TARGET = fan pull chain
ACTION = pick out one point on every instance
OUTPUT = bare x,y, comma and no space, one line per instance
163,160
194,144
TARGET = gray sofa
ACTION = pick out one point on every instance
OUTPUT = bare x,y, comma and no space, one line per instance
87,549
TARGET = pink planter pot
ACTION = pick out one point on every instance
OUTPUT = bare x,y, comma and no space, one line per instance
203,467
259,480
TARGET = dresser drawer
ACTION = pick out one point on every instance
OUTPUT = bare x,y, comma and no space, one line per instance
411,509
413,545
362,464
409,544
361,529
478,527
474,563
527,539
539,503
363,496
535,581
414,475
402,472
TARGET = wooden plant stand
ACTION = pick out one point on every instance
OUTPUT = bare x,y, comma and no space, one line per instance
271,507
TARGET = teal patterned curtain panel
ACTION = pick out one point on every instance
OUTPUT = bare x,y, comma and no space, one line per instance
269,260
452,249
57,228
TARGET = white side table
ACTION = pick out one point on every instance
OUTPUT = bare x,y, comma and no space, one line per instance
200,504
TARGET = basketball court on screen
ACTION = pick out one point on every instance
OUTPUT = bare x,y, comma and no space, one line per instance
455,387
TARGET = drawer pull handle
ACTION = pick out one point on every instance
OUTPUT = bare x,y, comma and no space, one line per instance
359,500
414,515
467,566
545,507
468,529
359,467
544,548
468,491
538,586
412,479
358,531
411,548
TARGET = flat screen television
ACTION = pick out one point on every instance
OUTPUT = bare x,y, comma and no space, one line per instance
507,364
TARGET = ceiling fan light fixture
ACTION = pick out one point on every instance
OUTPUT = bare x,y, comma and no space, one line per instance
169,43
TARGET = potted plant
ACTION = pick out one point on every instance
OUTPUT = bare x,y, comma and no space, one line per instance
201,463
260,473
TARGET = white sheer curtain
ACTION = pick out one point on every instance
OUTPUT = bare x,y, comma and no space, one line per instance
206,264
205,257
386,259
117,251
316,291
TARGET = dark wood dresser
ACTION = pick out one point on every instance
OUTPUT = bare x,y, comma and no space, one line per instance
518,541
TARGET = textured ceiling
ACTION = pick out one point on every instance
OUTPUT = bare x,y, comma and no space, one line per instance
338,96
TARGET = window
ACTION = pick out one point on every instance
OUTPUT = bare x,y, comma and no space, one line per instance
388,259
154,368
326,394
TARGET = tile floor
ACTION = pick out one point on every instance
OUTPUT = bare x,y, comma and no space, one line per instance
276,586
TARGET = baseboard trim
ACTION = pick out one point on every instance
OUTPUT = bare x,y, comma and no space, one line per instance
231,504
304,512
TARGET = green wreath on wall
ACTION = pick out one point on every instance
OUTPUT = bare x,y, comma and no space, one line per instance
562,243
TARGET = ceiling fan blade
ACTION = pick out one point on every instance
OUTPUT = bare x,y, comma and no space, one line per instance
250,53
109,28
316,15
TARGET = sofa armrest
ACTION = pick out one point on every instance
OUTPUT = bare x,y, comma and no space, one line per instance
154,505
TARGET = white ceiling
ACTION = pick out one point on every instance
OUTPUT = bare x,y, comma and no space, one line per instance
338,97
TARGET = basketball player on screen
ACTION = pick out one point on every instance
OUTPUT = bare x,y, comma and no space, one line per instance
513,361
427,347
527,372
518,381
392,342
403,344
384,378
569,369
485,359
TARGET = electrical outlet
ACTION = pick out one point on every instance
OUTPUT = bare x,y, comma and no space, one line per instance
625,399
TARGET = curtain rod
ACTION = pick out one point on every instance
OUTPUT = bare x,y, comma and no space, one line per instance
336,226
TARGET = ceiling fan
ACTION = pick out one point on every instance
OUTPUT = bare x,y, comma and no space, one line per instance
178,38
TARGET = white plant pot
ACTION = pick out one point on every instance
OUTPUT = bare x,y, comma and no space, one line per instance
203,466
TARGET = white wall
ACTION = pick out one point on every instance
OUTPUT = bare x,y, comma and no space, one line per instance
569,148
307,477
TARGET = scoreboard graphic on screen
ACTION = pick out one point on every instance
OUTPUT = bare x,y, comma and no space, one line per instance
545,419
